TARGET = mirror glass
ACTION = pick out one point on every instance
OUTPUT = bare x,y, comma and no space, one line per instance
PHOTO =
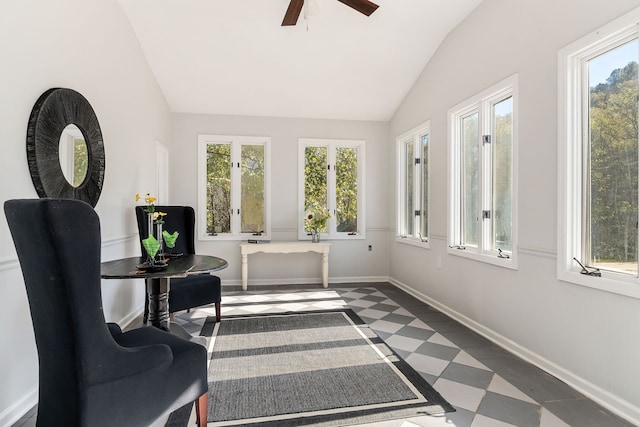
74,156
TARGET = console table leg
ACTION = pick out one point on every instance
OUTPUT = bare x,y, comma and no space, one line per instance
325,270
245,271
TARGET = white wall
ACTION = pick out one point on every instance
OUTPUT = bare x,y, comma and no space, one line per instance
89,47
589,338
348,260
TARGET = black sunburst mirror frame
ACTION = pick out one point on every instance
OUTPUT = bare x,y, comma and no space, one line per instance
53,112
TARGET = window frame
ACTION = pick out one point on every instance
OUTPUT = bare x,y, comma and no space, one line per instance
332,145
236,143
572,63
482,103
414,137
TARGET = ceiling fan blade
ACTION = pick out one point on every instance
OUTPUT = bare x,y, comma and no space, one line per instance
293,12
362,6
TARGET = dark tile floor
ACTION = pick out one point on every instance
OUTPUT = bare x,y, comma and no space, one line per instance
487,385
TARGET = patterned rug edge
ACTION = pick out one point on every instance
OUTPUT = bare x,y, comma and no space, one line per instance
436,406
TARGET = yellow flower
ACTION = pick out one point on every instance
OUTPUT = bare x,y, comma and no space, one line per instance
316,221
148,199
158,217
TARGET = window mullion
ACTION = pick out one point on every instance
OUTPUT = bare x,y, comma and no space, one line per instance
490,168
585,171
235,189
456,196
331,188
486,173
417,176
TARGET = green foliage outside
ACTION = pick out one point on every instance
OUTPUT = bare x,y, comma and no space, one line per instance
315,186
424,223
470,180
347,190
80,162
218,188
613,193
409,213
315,181
252,182
502,171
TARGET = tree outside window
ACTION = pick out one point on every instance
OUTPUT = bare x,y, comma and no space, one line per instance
611,194
332,182
598,158
482,195
233,186
413,185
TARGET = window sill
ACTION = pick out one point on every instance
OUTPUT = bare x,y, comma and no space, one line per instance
609,282
231,237
413,242
327,237
509,263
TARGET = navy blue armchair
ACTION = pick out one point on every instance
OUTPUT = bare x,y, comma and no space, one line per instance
90,372
194,290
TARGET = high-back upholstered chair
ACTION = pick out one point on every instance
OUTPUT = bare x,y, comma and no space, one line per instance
194,290
91,373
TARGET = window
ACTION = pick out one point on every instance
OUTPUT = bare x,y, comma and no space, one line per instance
233,187
331,176
413,186
482,156
598,159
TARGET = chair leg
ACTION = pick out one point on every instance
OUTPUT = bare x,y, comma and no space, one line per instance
218,318
145,316
201,410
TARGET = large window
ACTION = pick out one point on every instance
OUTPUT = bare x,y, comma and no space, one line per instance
482,159
331,176
233,187
598,159
413,186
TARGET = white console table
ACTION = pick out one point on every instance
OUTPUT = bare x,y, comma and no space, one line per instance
285,248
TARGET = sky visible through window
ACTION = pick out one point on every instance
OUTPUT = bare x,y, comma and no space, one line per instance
600,67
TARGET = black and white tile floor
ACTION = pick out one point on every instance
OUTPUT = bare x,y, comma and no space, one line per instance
488,386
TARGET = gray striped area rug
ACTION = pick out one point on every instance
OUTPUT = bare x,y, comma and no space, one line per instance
308,368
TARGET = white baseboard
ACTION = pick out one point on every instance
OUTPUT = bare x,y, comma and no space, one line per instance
308,281
13,413
615,404
131,316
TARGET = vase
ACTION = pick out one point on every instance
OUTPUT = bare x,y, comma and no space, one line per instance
161,253
315,237
150,259
150,225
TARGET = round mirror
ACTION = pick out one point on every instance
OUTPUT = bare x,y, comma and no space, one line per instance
65,150
73,155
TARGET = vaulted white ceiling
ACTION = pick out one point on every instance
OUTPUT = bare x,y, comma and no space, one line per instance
233,57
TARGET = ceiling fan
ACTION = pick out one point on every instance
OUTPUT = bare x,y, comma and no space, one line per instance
295,6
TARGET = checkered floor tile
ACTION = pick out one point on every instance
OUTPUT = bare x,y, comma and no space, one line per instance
488,386
440,349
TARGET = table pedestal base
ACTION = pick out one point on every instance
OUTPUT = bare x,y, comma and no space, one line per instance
158,291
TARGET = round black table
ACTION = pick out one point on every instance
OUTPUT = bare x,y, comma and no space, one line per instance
158,281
